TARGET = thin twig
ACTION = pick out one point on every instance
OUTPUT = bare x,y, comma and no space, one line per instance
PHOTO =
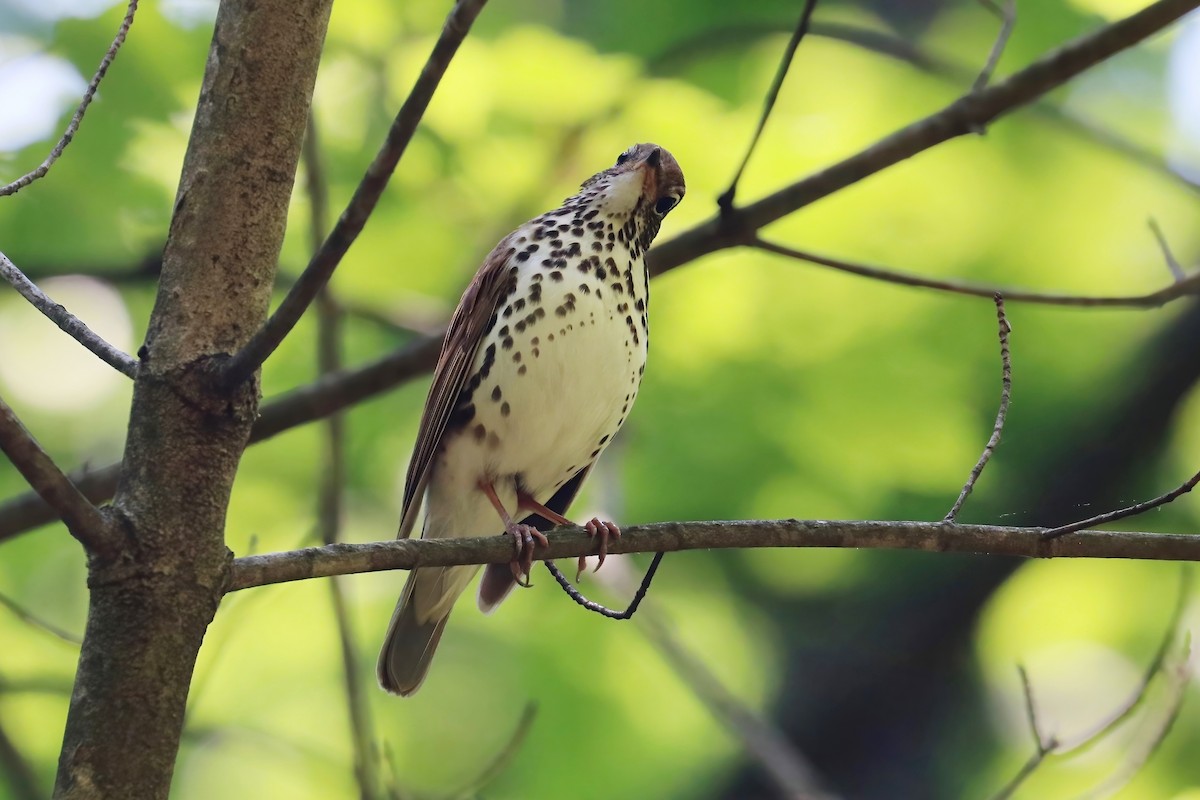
1008,20
1175,628
961,117
1001,415
77,117
1172,263
333,475
725,201
297,407
503,758
1180,679
25,615
604,611
82,519
792,774
1189,286
1122,513
242,365
1047,746
934,537
1043,746
68,322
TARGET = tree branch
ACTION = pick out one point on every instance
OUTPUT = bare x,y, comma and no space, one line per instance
1008,20
725,201
83,520
72,325
309,403
320,268
77,117
998,427
965,115
936,537
1128,511
1190,285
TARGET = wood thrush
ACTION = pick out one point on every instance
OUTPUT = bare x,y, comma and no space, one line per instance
539,368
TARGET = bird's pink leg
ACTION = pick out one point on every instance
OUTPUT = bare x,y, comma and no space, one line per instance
525,537
595,527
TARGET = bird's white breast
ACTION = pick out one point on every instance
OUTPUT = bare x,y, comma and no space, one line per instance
563,364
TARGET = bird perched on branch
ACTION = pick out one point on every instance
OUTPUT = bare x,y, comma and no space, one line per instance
538,370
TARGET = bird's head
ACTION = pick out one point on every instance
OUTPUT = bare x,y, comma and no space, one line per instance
641,188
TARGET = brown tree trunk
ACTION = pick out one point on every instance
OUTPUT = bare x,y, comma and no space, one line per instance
149,610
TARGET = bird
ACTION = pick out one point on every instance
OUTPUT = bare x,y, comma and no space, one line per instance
539,367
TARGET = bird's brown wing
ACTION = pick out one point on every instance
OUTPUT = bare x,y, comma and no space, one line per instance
475,314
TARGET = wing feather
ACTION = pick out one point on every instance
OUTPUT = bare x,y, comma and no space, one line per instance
475,313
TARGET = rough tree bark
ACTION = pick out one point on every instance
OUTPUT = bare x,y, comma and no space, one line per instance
149,609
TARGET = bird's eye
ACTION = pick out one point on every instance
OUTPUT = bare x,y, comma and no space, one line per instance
665,204
621,159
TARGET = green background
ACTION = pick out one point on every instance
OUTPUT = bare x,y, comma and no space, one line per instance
775,389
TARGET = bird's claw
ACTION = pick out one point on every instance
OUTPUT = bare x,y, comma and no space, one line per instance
603,530
526,538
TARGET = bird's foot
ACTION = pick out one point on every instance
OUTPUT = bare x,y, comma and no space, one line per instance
602,530
526,538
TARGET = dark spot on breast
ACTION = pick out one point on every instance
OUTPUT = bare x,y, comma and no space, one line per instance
517,357
496,393
604,438
493,441
520,326
505,409
583,287
479,432
561,311
556,275
521,370
536,352
535,341
507,343
522,256
461,416
489,358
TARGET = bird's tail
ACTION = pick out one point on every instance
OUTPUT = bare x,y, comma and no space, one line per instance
417,625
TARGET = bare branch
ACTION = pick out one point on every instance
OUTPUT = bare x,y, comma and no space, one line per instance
333,475
343,559
68,322
298,407
1189,286
1172,264
1174,630
370,189
725,201
27,616
965,115
503,758
83,519
998,428
794,777
1008,20
1043,746
1129,511
1047,746
77,117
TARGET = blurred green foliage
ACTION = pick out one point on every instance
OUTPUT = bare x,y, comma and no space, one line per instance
775,389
